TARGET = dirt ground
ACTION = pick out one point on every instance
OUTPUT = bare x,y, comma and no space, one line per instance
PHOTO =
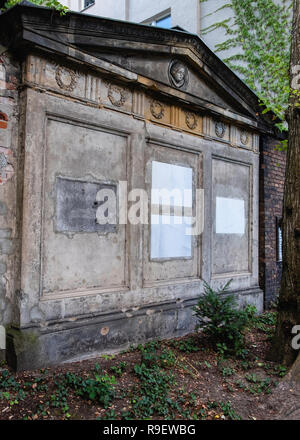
184,378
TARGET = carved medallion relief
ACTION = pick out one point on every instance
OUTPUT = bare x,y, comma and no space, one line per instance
116,95
178,74
244,137
220,129
66,78
191,120
157,109
101,91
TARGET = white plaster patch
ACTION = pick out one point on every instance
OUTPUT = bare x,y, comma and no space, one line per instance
168,238
171,177
230,216
172,186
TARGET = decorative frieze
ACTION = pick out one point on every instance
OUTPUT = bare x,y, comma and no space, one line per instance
207,122
175,116
66,78
94,89
245,137
139,103
116,95
220,129
54,77
36,70
191,120
157,109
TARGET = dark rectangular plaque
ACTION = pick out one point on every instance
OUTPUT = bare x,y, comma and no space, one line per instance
76,206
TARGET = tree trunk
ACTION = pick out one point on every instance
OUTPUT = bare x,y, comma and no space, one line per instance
294,374
289,297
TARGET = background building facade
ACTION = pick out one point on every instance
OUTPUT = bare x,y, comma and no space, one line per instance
191,15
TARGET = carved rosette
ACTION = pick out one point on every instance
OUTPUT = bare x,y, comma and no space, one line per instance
116,95
220,129
66,78
157,109
244,137
191,120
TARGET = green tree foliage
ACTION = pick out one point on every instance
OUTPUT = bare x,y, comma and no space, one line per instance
218,316
53,4
259,35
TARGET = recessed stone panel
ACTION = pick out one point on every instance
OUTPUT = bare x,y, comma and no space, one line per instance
78,205
231,241
78,253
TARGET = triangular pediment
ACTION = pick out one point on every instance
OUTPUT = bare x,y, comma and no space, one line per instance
158,67
172,63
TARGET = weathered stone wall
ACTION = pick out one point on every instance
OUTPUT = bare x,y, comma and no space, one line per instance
95,289
272,172
9,159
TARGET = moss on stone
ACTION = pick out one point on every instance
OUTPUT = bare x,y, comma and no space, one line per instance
23,340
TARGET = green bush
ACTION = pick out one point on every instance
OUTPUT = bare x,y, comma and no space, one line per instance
219,318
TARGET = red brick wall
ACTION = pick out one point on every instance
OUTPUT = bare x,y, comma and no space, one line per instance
272,171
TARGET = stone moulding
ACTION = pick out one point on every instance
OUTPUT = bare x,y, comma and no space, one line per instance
93,88
37,347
